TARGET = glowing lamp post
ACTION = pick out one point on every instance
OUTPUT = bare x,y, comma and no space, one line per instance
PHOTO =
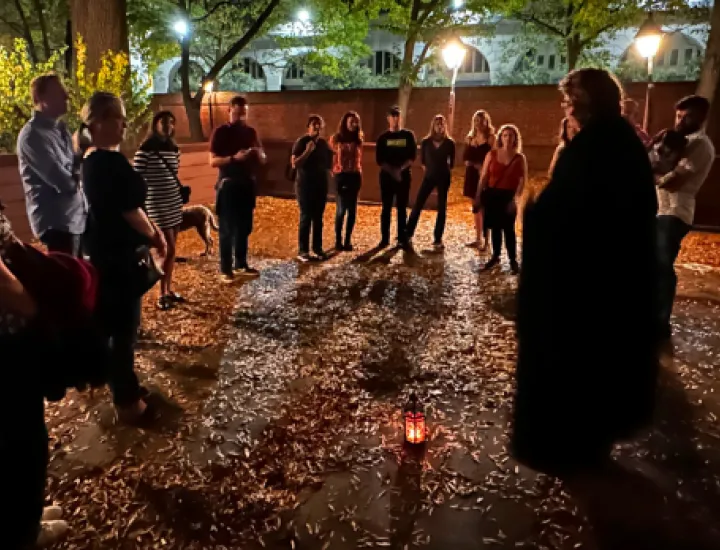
647,41
453,54
415,427
209,86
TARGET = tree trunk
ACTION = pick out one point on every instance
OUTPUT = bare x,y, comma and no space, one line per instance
38,5
192,110
69,48
102,24
405,84
27,34
574,49
193,105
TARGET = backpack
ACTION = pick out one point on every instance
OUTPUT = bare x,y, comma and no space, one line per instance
72,350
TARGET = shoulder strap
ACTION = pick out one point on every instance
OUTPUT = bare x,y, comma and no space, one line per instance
172,172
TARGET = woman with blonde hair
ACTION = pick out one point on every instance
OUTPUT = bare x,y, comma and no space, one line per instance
478,143
437,154
119,234
503,178
568,129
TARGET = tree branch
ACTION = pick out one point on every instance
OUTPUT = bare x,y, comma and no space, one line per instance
26,32
535,21
237,47
43,28
210,10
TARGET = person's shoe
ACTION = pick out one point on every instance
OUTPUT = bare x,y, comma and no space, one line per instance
247,271
405,244
227,278
383,244
321,255
491,263
338,246
304,257
438,245
176,298
348,247
514,267
165,303
51,532
473,244
52,513
139,413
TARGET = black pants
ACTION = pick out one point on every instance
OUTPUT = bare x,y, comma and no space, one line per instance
62,241
442,184
399,193
670,233
500,215
119,316
23,446
347,189
235,206
312,198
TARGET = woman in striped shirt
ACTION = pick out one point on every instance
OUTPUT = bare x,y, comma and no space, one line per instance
158,160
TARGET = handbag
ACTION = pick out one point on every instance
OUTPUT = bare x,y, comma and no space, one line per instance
145,272
185,190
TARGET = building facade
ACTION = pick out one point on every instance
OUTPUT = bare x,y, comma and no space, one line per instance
489,60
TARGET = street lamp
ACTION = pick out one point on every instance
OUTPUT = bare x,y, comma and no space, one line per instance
181,28
647,41
303,16
453,54
209,86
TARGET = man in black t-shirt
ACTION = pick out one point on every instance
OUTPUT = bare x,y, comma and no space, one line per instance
395,152
236,150
312,159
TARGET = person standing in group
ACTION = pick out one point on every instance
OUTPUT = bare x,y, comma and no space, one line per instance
480,140
312,160
395,152
55,201
567,133
503,178
437,154
346,145
158,160
119,233
676,193
235,149
587,350
629,108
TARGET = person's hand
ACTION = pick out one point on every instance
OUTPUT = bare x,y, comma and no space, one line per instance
468,163
397,174
310,147
159,243
242,154
260,153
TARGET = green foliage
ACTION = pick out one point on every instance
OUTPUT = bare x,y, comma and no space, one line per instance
636,71
17,71
150,26
53,15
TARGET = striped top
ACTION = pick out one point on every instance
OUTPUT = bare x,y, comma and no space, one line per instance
163,203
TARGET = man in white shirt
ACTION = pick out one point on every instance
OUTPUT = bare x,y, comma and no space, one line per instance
676,197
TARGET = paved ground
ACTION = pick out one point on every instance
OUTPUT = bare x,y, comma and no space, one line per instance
293,438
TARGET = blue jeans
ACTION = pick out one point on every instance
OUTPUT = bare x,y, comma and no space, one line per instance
235,205
347,189
670,232
429,183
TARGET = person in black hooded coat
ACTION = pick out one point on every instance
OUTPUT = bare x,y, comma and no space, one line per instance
587,358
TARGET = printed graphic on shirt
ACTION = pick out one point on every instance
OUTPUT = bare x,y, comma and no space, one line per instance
397,143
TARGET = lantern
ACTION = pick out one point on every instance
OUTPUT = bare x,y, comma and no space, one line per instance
415,429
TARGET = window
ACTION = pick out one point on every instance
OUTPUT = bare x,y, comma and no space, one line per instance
383,63
660,60
551,62
541,60
294,72
251,67
563,60
674,57
688,55
474,63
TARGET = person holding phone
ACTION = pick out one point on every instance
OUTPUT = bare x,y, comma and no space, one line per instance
235,149
312,160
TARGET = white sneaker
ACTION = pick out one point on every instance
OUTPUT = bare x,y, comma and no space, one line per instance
52,513
51,532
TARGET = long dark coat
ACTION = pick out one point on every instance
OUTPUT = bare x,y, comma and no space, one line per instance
587,359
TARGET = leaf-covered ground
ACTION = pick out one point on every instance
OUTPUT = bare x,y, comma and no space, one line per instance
281,398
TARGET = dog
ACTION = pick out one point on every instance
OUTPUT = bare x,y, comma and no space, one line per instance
203,220
666,151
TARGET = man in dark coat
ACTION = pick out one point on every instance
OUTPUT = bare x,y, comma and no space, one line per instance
587,358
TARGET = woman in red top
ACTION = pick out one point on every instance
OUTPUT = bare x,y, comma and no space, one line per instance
346,145
503,177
